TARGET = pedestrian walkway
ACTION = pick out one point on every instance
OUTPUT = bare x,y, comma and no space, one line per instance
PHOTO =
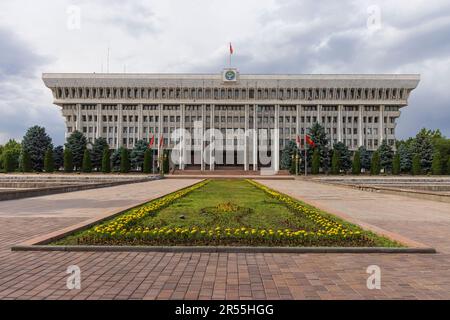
112,275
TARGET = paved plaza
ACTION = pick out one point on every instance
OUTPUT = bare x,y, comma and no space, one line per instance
112,275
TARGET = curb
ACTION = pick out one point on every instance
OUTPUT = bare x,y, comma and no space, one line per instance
221,249
31,193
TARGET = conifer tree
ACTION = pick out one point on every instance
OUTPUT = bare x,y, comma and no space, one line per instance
49,164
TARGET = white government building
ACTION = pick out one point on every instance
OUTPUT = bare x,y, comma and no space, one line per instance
358,110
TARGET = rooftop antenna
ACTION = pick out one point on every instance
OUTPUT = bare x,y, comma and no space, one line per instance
107,61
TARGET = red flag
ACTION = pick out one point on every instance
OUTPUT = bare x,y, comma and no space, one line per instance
161,141
310,141
152,141
231,49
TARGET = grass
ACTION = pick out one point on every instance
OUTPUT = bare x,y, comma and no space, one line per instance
230,205
256,209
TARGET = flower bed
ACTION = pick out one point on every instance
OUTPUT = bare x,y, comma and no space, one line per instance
326,230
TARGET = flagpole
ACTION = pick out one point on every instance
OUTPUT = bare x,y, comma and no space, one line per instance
306,159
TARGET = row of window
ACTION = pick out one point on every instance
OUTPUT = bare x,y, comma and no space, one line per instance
287,131
233,93
222,119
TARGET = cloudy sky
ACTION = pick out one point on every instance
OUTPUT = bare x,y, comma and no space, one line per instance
269,36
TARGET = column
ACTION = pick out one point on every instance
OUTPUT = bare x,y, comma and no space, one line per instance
211,138
140,121
202,149
99,121
255,138
119,126
182,137
276,138
245,138
78,123
340,123
160,127
360,126
298,121
381,127
319,115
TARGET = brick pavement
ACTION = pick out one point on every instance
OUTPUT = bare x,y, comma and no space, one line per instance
109,275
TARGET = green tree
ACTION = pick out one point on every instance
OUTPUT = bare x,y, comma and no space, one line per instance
365,158
36,142
106,161
396,164
320,139
416,165
356,165
124,161
8,161
68,160
286,156
423,146
13,149
448,166
25,162
375,166
97,152
345,156
335,162
115,158
77,143
166,163
436,166
137,154
442,145
58,157
87,163
386,156
315,167
405,155
148,161
49,165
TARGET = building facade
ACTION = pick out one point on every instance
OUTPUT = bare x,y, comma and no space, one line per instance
358,110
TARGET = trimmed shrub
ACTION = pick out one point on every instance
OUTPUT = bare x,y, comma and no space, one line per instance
416,165
335,162
124,161
8,161
166,162
356,165
87,163
106,160
49,164
68,160
148,161
25,162
436,165
448,166
375,166
396,164
315,162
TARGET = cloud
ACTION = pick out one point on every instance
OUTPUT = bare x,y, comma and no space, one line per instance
21,100
269,36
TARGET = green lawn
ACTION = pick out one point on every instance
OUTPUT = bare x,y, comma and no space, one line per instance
227,212
255,209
